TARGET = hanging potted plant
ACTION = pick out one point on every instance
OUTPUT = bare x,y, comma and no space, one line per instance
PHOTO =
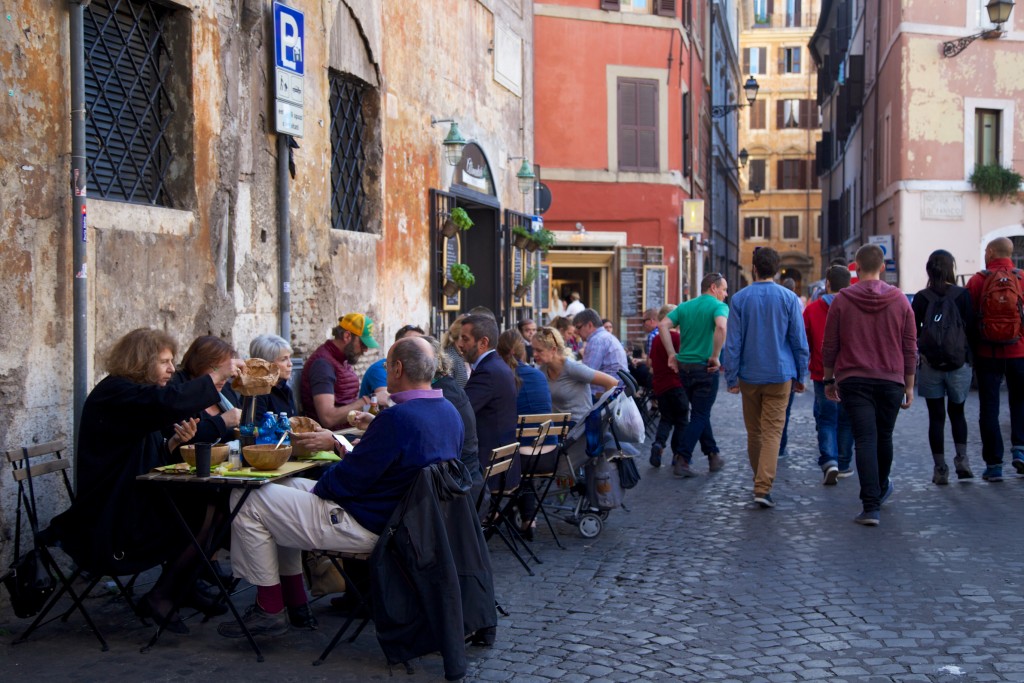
461,278
528,279
521,236
996,182
545,239
457,220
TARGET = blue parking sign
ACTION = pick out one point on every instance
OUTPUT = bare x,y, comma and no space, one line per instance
288,38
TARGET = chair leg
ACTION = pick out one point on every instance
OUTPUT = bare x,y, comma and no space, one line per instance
350,585
75,601
518,539
501,534
540,498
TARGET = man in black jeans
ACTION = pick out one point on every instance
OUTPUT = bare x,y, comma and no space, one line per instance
870,349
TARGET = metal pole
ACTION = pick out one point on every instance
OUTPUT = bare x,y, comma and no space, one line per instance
76,9
284,233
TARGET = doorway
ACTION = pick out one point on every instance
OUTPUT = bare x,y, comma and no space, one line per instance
481,251
586,272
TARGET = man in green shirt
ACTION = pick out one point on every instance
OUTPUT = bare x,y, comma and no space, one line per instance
702,325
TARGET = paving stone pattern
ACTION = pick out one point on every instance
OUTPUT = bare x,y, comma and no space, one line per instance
692,583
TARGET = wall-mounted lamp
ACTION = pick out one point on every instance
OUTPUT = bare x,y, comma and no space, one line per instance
525,175
998,14
756,189
454,143
581,229
750,89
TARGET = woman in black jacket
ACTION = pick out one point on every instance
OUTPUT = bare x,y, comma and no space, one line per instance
114,526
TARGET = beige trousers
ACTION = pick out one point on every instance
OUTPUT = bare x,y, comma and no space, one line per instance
764,414
278,521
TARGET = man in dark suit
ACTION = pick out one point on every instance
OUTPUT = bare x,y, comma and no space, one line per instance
491,389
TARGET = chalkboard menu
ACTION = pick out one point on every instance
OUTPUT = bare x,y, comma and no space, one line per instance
655,285
629,291
452,250
517,275
545,286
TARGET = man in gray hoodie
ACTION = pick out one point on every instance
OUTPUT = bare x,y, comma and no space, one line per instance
870,356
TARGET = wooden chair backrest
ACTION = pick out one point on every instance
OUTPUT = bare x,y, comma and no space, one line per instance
530,424
18,458
501,460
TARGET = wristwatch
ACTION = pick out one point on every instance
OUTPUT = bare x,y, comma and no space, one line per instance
828,382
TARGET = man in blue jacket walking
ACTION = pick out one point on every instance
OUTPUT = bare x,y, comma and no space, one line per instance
765,358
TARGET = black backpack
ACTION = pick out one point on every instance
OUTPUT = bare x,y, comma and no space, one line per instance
942,337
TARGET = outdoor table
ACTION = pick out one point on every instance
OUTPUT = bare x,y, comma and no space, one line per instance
169,483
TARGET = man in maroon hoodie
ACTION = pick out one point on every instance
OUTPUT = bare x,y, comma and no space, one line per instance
870,349
994,360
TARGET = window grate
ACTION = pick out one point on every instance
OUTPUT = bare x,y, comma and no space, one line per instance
348,157
127,67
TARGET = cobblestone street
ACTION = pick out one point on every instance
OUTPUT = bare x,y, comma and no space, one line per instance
692,583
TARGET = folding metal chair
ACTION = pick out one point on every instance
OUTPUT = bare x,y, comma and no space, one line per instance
540,458
361,605
25,471
497,519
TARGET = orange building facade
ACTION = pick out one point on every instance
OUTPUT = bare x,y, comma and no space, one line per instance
620,106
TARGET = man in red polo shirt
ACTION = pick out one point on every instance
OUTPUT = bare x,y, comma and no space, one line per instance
329,385
995,358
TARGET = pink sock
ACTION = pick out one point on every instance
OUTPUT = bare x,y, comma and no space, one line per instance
294,590
270,598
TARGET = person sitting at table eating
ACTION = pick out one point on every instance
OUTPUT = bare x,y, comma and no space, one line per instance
349,507
276,350
216,421
376,377
115,527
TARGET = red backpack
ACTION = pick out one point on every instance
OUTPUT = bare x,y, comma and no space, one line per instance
1002,306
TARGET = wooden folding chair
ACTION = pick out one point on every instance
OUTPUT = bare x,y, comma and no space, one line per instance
28,468
540,458
497,519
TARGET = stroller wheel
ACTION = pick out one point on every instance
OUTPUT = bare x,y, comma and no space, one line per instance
590,525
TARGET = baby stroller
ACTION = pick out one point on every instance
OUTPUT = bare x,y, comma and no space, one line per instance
592,470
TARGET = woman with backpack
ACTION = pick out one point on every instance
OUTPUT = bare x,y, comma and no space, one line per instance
944,313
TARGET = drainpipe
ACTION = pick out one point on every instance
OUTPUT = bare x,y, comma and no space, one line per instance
284,234
80,291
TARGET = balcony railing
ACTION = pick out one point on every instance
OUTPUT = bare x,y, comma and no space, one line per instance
807,20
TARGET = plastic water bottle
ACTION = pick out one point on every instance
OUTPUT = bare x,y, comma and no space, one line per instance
267,428
283,426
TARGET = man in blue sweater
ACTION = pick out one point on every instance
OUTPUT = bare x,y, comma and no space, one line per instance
765,358
349,507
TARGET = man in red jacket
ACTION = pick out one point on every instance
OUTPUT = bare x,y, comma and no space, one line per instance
994,360
870,349
835,440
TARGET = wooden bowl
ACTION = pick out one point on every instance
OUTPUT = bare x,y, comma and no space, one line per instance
218,454
265,456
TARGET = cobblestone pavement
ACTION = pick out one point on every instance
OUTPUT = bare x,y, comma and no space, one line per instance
692,583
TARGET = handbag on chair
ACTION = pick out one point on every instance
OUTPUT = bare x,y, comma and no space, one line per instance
28,580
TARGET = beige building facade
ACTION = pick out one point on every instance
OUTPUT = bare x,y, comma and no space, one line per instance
781,202
906,127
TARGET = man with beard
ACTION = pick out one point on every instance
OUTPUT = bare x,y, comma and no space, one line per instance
330,386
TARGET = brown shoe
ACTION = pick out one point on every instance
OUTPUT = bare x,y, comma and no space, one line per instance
715,462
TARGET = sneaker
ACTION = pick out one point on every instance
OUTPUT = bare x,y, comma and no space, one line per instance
301,617
940,476
993,473
1018,461
887,493
259,623
831,473
848,472
764,500
963,470
681,468
655,459
715,462
867,518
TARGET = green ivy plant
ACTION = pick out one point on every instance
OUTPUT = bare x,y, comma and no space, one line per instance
996,182
462,275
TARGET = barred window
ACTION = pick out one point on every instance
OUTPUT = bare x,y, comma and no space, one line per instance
348,156
129,108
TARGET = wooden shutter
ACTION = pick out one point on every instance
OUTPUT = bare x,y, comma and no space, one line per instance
812,173
687,13
780,175
687,136
665,8
805,114
781,63
801,168
746,60
647,125
748,228
627,124
756,178
771,8
797,15
762,63
796,56
611,5
780,114
768,222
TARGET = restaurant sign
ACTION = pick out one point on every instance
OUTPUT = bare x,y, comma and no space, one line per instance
473,172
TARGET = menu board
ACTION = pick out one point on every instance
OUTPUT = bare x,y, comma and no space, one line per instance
545,292
629,292
452,253
655,286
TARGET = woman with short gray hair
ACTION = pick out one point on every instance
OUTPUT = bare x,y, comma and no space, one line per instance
278,351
